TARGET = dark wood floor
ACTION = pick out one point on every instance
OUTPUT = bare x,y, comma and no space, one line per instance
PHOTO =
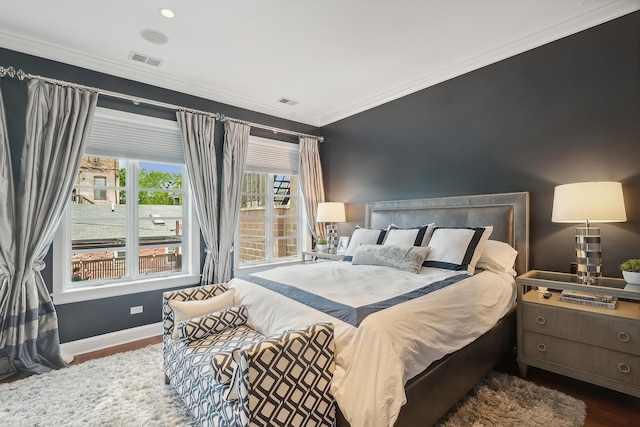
605,408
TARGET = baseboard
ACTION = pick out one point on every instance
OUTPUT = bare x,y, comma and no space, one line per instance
112,339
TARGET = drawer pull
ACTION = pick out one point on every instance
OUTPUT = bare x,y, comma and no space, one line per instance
543,348
623,336
624,368
541,320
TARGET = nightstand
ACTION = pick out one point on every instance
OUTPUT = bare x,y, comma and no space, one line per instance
314,256
592,344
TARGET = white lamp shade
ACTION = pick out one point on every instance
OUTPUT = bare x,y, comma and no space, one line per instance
589,201
330,212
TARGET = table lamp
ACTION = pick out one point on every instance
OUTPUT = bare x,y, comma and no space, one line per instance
588,202
330,213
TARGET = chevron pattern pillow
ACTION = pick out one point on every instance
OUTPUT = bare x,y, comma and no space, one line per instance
212,323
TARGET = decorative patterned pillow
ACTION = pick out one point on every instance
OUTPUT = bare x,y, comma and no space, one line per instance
498,256
212,323
456,248
418,236
184,310
406,258
363,236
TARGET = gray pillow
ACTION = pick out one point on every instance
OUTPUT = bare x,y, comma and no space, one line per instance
406,258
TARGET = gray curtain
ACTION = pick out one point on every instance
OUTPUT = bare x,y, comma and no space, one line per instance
57,127
200,156
311,183
7,227
236,141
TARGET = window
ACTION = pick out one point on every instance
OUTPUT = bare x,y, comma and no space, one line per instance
128,226
269,218
99,193
269,228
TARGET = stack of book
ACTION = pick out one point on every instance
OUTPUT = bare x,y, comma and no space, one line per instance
594,300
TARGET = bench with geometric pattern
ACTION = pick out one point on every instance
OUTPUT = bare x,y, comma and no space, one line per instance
230,375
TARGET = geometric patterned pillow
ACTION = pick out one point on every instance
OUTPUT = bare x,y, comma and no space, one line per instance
212,323
185,310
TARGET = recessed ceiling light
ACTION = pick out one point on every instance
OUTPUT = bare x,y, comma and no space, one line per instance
167,13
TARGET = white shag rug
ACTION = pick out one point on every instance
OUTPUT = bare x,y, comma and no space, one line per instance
128,389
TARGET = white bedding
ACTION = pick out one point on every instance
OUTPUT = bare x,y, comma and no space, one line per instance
376,359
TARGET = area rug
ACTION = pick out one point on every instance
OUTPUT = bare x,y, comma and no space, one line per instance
128,389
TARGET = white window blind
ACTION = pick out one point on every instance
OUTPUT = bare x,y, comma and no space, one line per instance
134,136
268,155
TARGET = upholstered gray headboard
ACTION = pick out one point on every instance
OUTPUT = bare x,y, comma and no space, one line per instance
507,212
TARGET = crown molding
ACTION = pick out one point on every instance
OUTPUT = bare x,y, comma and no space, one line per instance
571,26
143,74
146,75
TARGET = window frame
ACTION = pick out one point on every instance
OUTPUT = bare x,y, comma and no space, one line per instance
269,217
64,290
303,234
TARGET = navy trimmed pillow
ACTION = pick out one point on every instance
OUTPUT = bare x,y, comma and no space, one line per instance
363,236
416,236
456,248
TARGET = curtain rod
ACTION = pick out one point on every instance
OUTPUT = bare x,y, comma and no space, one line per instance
21,75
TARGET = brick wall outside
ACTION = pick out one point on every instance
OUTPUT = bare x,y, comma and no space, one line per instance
252,225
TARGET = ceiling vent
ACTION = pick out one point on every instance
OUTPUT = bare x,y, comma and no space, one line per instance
138,57
287,101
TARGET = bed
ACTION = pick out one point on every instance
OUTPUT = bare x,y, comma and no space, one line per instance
429,380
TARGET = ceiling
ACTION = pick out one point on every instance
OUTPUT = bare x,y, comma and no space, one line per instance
334,57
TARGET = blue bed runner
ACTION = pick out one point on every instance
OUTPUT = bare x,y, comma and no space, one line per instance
352,315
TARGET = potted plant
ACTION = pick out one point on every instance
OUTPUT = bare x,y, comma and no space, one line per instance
631,271
321,245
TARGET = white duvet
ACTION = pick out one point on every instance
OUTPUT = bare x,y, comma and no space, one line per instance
376,359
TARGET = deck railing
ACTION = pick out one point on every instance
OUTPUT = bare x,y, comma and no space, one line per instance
115,267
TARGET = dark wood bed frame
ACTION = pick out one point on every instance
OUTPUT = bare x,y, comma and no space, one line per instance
433,392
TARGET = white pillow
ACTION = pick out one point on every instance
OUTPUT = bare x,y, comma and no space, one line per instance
418,236
406,258
185,310
363,236
456,248
497,256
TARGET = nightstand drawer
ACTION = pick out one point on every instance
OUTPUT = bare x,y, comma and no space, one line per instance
576,325
621,367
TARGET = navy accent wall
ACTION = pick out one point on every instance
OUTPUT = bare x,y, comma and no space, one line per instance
565,112
96,317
